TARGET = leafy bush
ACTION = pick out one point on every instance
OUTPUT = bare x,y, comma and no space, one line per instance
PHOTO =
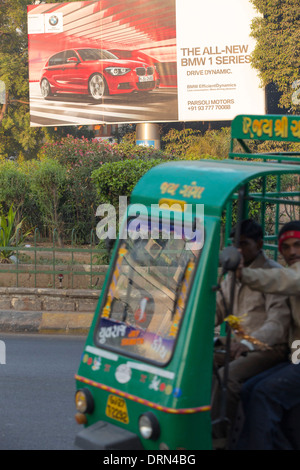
81,157
64,186
15,177
192,145
119,178
48,184
258,146
178,142
213,144
70,150
14,185
129,150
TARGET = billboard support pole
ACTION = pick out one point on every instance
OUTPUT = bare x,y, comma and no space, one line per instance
147,134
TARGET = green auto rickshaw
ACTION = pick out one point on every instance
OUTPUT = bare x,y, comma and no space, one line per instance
144,380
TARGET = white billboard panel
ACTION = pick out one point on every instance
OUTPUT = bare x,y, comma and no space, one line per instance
215,79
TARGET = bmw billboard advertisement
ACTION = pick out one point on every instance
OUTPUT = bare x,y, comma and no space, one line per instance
106,61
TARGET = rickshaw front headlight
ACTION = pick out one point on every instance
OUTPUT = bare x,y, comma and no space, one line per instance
84,401
149,426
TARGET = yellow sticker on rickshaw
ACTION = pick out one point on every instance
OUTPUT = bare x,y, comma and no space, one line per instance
116,409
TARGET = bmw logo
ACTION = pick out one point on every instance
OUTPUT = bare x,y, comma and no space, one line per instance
53,20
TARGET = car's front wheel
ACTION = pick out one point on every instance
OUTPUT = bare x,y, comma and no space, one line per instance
97,86
45,88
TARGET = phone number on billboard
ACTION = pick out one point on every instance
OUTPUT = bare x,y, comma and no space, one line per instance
209,107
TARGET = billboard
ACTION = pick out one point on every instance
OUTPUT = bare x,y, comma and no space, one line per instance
93,62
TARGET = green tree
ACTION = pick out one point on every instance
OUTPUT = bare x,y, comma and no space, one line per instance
276,55
16,135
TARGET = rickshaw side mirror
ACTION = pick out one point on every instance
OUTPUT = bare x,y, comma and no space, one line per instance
230,258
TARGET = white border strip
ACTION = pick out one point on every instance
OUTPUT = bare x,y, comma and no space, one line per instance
102,353
152,370
133,365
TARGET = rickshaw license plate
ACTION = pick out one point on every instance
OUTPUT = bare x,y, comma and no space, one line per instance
116,409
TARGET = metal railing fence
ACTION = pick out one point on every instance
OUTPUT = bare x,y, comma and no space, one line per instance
34,263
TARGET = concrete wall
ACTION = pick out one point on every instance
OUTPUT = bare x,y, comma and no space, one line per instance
47,310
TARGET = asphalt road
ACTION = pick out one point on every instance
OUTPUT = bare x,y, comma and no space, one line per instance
37,389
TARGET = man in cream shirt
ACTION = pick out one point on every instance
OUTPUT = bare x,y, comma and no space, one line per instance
268,395
265,317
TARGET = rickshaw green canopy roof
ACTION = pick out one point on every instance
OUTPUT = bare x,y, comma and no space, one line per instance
207,182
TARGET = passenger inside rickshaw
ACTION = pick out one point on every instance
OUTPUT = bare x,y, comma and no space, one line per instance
265,318
272,424
269,395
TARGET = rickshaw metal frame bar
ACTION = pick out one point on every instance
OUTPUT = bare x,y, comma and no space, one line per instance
277,217
263,206
282,193
275,195
272,200
242,203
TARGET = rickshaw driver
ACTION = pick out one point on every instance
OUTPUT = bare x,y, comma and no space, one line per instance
269,394
266,318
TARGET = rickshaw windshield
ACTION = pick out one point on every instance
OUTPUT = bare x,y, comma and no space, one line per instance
147,293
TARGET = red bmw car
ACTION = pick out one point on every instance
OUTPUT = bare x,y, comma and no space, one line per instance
95,72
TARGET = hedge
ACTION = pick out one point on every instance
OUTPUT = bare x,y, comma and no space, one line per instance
119,178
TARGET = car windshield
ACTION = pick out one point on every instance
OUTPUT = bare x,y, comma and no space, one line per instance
144,304
96,54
